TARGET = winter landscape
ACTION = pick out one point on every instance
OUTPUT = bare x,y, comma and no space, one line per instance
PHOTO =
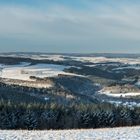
69,70
69,91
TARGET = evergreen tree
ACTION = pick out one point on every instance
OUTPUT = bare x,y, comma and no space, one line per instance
29,120
8,120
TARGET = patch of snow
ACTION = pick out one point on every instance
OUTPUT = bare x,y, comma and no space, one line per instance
94,65
90,59
46,99
127,104
131,61
97,84
108,93
129,67
22,64
23,71
76,67
36,57
48,57
108,64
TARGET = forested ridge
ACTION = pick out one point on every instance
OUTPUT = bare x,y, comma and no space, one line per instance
55,116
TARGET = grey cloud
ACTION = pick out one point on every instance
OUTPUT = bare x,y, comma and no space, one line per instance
61,25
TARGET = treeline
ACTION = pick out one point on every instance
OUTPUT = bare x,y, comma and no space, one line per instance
54,116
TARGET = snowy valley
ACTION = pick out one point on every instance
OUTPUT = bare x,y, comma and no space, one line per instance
68,91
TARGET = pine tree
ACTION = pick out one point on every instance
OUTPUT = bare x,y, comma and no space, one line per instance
49,119
8,120
125,118
110,120
29,120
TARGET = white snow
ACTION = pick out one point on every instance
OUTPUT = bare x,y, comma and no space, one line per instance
108,93
48,57
46,99
23,71
130,104
121,133
22,64
138,83
128,67
37,57
92,59
131,61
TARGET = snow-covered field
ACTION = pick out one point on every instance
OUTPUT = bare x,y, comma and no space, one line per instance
92,59
131,61
129,67
131,105
36,57
126,133
23,71
108,93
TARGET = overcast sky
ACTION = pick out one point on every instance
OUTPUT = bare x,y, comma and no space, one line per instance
70,26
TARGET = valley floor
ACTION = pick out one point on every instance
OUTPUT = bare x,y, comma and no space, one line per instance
126,133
